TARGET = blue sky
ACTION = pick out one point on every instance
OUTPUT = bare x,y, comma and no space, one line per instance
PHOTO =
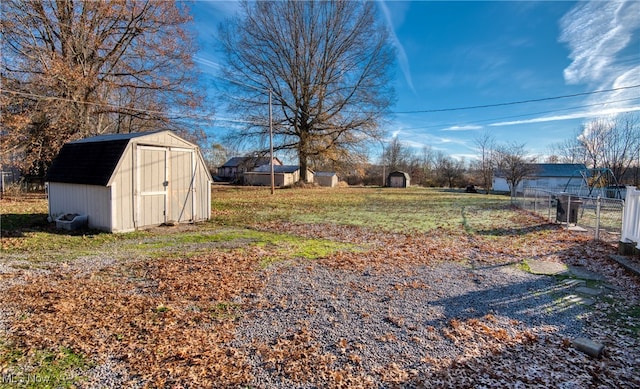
453,55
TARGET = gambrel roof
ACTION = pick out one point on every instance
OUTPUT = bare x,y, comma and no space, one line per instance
91,161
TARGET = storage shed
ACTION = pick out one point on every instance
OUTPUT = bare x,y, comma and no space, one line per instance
283,175
329,179
399,179
123,182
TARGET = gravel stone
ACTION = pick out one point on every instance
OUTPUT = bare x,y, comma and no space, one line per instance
394,317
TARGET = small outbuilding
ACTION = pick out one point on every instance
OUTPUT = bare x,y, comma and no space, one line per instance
329,179
234,168
283,175
399,179
124,182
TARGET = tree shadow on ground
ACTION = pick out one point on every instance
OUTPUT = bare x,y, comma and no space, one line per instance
14,225
542,301
518,231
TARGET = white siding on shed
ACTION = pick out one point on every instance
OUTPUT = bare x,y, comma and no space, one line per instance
91,200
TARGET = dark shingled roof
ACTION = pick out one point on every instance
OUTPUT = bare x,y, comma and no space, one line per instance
246,161
277,169
558,169
89,163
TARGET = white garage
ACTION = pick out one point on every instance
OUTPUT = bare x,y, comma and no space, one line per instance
124,182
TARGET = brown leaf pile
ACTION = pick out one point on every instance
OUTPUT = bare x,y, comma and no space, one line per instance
162,317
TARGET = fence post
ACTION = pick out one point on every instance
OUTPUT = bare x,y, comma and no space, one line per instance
549,207
598,201
568,209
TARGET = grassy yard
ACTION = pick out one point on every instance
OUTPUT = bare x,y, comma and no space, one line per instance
166,300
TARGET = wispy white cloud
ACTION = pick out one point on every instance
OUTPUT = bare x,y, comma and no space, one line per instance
572,116
207,64
469,127
602,37
596,32
401,54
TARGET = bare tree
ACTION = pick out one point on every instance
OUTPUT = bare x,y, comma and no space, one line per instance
569,151
397,156
449,171
75,68
486,148
611,143
514,164
328,66
593,140
623,145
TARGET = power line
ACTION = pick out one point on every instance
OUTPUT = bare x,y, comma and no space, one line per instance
103,105
477,106
518,102
521,115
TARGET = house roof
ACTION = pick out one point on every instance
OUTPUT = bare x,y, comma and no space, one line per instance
248,161
558,169
325,174
277,169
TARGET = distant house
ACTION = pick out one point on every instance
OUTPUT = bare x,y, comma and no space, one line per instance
329,179
543,175
234,168
283,175
399,179
123,182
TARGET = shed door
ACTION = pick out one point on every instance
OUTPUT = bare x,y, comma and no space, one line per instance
181,184
152,172
396,182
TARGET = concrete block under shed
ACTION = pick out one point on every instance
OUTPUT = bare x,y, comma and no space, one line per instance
71,221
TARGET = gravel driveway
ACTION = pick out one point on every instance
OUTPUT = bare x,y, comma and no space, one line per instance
374,329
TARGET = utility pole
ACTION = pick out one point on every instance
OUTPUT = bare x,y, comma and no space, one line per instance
273,184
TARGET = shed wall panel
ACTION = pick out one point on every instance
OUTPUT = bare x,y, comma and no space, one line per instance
91,200
329,181
203,191
123,194
181,180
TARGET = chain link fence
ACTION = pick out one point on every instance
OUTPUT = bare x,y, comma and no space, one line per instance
600,214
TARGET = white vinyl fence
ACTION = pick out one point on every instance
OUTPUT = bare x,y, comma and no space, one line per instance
631,217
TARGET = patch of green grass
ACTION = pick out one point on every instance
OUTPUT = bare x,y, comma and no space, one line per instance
65,246
226,311
161,308
389,209
524,266
46,369
283,245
